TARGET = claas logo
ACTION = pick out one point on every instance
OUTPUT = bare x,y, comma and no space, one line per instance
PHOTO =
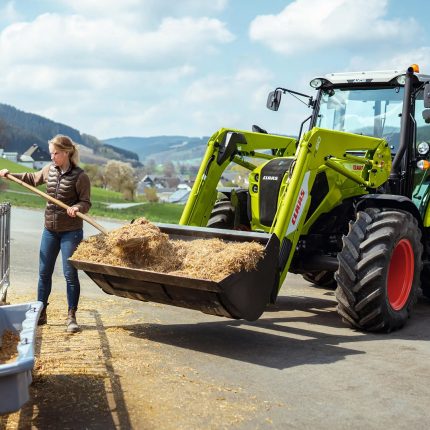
298,206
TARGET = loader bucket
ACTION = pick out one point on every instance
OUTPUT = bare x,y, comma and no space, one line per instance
242,295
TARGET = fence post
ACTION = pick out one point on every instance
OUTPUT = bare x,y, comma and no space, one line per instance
4,250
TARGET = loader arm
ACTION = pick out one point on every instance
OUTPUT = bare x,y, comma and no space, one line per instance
324,149
222,148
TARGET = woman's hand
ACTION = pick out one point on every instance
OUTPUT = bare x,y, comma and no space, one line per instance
71,211
3,172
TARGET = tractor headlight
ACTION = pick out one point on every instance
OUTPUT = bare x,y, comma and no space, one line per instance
423,148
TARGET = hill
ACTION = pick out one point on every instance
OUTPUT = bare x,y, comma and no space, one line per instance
19,130
161,148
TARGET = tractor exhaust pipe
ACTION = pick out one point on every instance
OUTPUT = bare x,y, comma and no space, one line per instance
395,186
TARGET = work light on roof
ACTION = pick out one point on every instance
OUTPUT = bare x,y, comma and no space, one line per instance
316,83
401,80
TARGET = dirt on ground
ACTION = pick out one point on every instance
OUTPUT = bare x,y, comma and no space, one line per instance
141,366
112,376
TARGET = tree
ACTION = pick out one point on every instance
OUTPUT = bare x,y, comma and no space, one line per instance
151,194
150,167
120,177
96,174
169,169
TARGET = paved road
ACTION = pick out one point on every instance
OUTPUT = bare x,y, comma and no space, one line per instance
26,229
298,367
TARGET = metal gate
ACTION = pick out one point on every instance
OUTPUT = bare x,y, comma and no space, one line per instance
4,250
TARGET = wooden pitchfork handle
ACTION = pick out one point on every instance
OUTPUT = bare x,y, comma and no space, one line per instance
56,201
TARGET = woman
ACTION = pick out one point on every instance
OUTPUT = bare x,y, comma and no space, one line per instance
63,229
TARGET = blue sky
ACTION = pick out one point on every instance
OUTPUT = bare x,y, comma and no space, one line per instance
159,67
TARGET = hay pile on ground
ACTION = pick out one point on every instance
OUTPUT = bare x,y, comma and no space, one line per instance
8,346
142,245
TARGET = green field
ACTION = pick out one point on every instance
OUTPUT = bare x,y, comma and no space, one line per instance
156,212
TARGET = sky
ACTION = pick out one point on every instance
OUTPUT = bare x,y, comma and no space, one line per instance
114,68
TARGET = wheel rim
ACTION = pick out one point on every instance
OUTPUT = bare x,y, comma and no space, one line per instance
400,274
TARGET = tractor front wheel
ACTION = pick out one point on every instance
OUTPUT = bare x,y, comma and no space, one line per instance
379,270
222,215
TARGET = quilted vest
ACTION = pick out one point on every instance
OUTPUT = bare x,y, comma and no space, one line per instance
62,186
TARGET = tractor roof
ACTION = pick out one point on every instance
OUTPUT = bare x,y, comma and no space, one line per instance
380,76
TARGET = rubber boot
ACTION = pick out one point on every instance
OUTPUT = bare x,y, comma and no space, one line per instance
71,323
43,318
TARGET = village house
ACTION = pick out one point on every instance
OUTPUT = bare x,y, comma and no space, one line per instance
33,157
175,189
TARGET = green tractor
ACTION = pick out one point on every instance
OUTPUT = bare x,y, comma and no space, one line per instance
345,203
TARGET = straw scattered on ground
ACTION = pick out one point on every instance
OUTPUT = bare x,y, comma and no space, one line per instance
142,245
119,376
8,346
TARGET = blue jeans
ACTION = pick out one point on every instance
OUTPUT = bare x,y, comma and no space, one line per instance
50,246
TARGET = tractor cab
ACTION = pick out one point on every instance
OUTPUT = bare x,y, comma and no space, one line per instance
371,104
392,105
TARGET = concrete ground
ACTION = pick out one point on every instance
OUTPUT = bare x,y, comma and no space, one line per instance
148,366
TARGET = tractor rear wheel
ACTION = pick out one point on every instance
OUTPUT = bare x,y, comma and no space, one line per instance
222,215
324,279
379,270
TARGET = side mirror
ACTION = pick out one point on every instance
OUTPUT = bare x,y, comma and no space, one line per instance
426,116
274,100
427,95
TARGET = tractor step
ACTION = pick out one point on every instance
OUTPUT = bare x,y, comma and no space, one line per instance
242,295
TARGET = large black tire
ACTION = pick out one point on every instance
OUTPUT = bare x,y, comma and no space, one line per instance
222,215
379,270
324,279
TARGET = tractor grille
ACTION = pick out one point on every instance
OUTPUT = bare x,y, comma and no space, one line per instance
270,182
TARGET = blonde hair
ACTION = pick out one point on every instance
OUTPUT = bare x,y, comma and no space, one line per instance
64,143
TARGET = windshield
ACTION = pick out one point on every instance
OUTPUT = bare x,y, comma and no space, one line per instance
370,112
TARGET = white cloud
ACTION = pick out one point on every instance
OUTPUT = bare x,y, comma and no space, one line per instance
227,89
420,56
308,25
71,41
145,6
201,108
106,73
144,12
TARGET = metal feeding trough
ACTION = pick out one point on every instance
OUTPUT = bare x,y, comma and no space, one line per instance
15,377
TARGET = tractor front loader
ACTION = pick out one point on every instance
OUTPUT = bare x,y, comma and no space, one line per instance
345,204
